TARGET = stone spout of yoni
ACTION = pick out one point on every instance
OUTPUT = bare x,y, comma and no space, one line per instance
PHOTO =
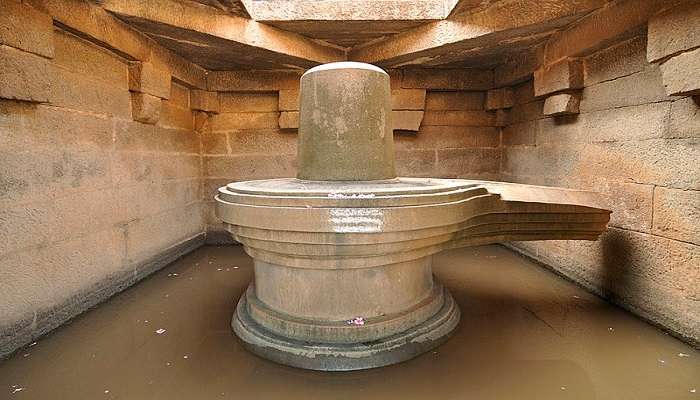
343,253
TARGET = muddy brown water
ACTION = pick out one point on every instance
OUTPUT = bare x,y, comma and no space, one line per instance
525,334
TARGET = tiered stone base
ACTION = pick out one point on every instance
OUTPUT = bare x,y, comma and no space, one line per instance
322,356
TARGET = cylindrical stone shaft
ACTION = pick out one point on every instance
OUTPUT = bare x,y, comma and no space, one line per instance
344,124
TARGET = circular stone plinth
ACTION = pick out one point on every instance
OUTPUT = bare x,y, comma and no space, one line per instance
346,357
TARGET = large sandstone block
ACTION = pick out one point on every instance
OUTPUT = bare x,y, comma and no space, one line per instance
458,118
82,57
415,163
263,141
673,31
26,28
499,98
145,108
79,92
620,59
636,89
256,81
408,99
519,67
443,137
681,74
238,102
436,100
180,95
244,120
566,74
173,116
250,166
521,134
478,163
561,104
215,143
145,77
133,136
289,120
204,100
448,79
685,118
676,214
24,76
288,100
402,120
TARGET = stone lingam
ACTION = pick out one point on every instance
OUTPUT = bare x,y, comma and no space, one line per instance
343,252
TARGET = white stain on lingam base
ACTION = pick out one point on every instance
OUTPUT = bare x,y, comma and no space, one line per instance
357,220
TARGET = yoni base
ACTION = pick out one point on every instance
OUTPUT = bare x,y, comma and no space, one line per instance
345,357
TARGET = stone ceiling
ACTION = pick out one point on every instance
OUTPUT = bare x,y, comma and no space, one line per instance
283,34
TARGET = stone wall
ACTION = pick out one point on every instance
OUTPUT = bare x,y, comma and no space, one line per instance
640,147
90,200
251,136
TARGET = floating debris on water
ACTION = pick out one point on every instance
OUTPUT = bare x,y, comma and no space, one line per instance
563,388
16,388
32,344
106,391
219,269
681,355
661,361
160,331
236,267
185,356
26,355
358,321
576,297
693,390
611,329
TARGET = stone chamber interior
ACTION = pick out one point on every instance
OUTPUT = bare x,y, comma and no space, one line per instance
119,119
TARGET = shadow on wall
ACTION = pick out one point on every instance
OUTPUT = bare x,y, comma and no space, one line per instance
615,274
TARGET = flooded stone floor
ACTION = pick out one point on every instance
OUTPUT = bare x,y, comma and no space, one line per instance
525,334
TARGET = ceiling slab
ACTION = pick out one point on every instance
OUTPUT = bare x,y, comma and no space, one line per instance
219,41
466,35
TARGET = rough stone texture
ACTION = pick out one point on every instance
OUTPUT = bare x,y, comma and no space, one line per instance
673,31
239,102
146,78
448,79
437,100
88,195
681,74
499,98
638,147
145,108
203,100
25,28
289,120
405,120
231,81
561,104
24,76
288,100
408,99
562,75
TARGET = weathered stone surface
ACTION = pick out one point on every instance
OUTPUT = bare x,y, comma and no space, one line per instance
246,120
232,81
561,104
408,99
676,214
631,90
673,31
363,125
618,60
685,118
499,98
26,28
416,163
91,61
235,102
566,74
175,117
502,117
215,143
620,19
448,79
458,118
519,67
436,100
288,100
289,120
402,120
145,108
146,78
446,137
24,76
250,166
681,74
263,141
452,163
203,100
521,134
180,95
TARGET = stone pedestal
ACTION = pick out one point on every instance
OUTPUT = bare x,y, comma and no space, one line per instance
343,252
